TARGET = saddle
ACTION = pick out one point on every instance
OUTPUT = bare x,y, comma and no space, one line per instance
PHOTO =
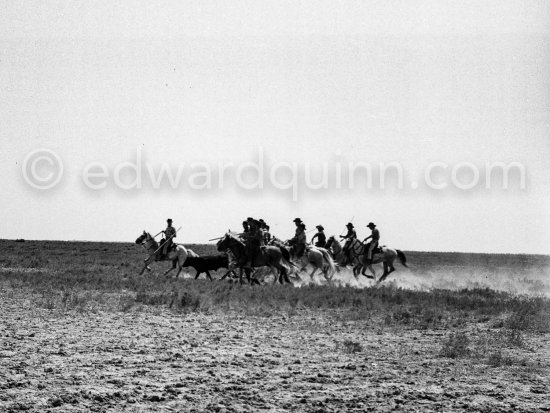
160,254
377,250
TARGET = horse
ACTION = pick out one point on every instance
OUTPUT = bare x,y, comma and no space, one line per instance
319,258
274,257
338,254
178,254
233,266
385,255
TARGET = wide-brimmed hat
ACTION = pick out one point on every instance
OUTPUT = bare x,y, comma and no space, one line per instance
169,220
371,224
349,224
297,220
320,227
250,219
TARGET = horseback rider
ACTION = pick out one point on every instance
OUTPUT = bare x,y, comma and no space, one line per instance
167,241
253,240
375,235
267,235
299,240
349,237
321,237
263,228
246,228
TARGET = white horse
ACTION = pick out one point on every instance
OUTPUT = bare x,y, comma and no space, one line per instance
386,256
320,259
178,254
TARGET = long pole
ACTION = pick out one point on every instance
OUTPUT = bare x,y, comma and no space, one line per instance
171,236
237,234
351,220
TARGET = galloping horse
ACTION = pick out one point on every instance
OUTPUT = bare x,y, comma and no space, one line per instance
387,256
319,258
358,256
275,258
355,251
177,255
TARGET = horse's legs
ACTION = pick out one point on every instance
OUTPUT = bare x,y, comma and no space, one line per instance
249,277
326,270
208,275
146,266
313,272
304,260
227,273
276,275
391,267
388,269
372,270
197,275
364,271
384,275
283,275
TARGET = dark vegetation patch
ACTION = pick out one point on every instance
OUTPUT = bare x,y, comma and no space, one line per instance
104,276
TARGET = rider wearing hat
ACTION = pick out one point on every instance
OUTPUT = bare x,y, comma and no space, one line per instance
267,235
375,235
321,237
169,234
349,237
299,240
265,231
253,240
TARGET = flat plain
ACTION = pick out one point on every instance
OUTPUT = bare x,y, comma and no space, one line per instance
80,330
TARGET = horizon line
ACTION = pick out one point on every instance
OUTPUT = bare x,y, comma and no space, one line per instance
207,243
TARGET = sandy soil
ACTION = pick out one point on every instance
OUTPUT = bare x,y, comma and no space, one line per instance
151,359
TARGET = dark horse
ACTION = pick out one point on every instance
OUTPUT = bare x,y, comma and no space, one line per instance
276,258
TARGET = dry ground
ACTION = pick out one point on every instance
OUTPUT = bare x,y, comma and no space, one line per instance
79,331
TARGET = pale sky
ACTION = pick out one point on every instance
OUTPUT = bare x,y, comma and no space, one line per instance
307,82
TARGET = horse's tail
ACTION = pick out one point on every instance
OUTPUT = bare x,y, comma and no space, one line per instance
402,258
285,259
328,258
